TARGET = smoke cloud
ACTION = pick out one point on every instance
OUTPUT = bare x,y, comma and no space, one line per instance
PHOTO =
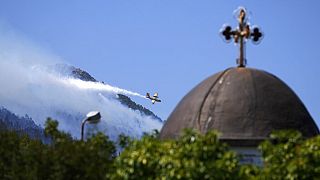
27,87
94,86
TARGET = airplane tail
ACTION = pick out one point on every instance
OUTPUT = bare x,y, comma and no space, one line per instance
148,95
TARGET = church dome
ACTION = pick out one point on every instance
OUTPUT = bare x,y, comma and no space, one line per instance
244,104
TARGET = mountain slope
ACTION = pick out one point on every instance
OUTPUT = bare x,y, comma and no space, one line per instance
66,93
22,125
71,71
78,73
125,100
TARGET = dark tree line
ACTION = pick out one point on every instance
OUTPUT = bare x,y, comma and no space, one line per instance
287,155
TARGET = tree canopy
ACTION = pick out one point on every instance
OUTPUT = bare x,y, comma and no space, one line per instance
64,158
286,155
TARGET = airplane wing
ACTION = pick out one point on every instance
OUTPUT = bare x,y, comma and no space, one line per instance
153,101
155,95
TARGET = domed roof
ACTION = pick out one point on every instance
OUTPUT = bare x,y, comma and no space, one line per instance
244,104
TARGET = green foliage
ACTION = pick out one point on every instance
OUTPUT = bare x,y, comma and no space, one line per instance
52,131
286,155
193,156
64,158
124,140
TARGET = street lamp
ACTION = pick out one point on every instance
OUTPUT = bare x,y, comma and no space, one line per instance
92,117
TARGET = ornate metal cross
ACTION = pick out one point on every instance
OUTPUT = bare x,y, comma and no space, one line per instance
241,34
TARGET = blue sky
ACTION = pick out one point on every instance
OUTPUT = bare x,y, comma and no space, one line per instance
170,46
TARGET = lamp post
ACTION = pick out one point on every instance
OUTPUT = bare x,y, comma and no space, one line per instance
92,117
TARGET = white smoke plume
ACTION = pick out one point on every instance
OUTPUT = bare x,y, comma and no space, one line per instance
28,88
97,86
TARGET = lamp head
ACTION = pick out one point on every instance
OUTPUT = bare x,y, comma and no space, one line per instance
93,117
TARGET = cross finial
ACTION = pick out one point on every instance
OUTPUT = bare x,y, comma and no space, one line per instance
241,34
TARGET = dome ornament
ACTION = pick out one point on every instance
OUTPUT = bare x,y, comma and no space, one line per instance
241,34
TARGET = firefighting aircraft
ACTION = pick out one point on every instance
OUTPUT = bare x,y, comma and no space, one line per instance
153,98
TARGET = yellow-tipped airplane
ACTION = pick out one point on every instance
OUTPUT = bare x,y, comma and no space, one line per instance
153,98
